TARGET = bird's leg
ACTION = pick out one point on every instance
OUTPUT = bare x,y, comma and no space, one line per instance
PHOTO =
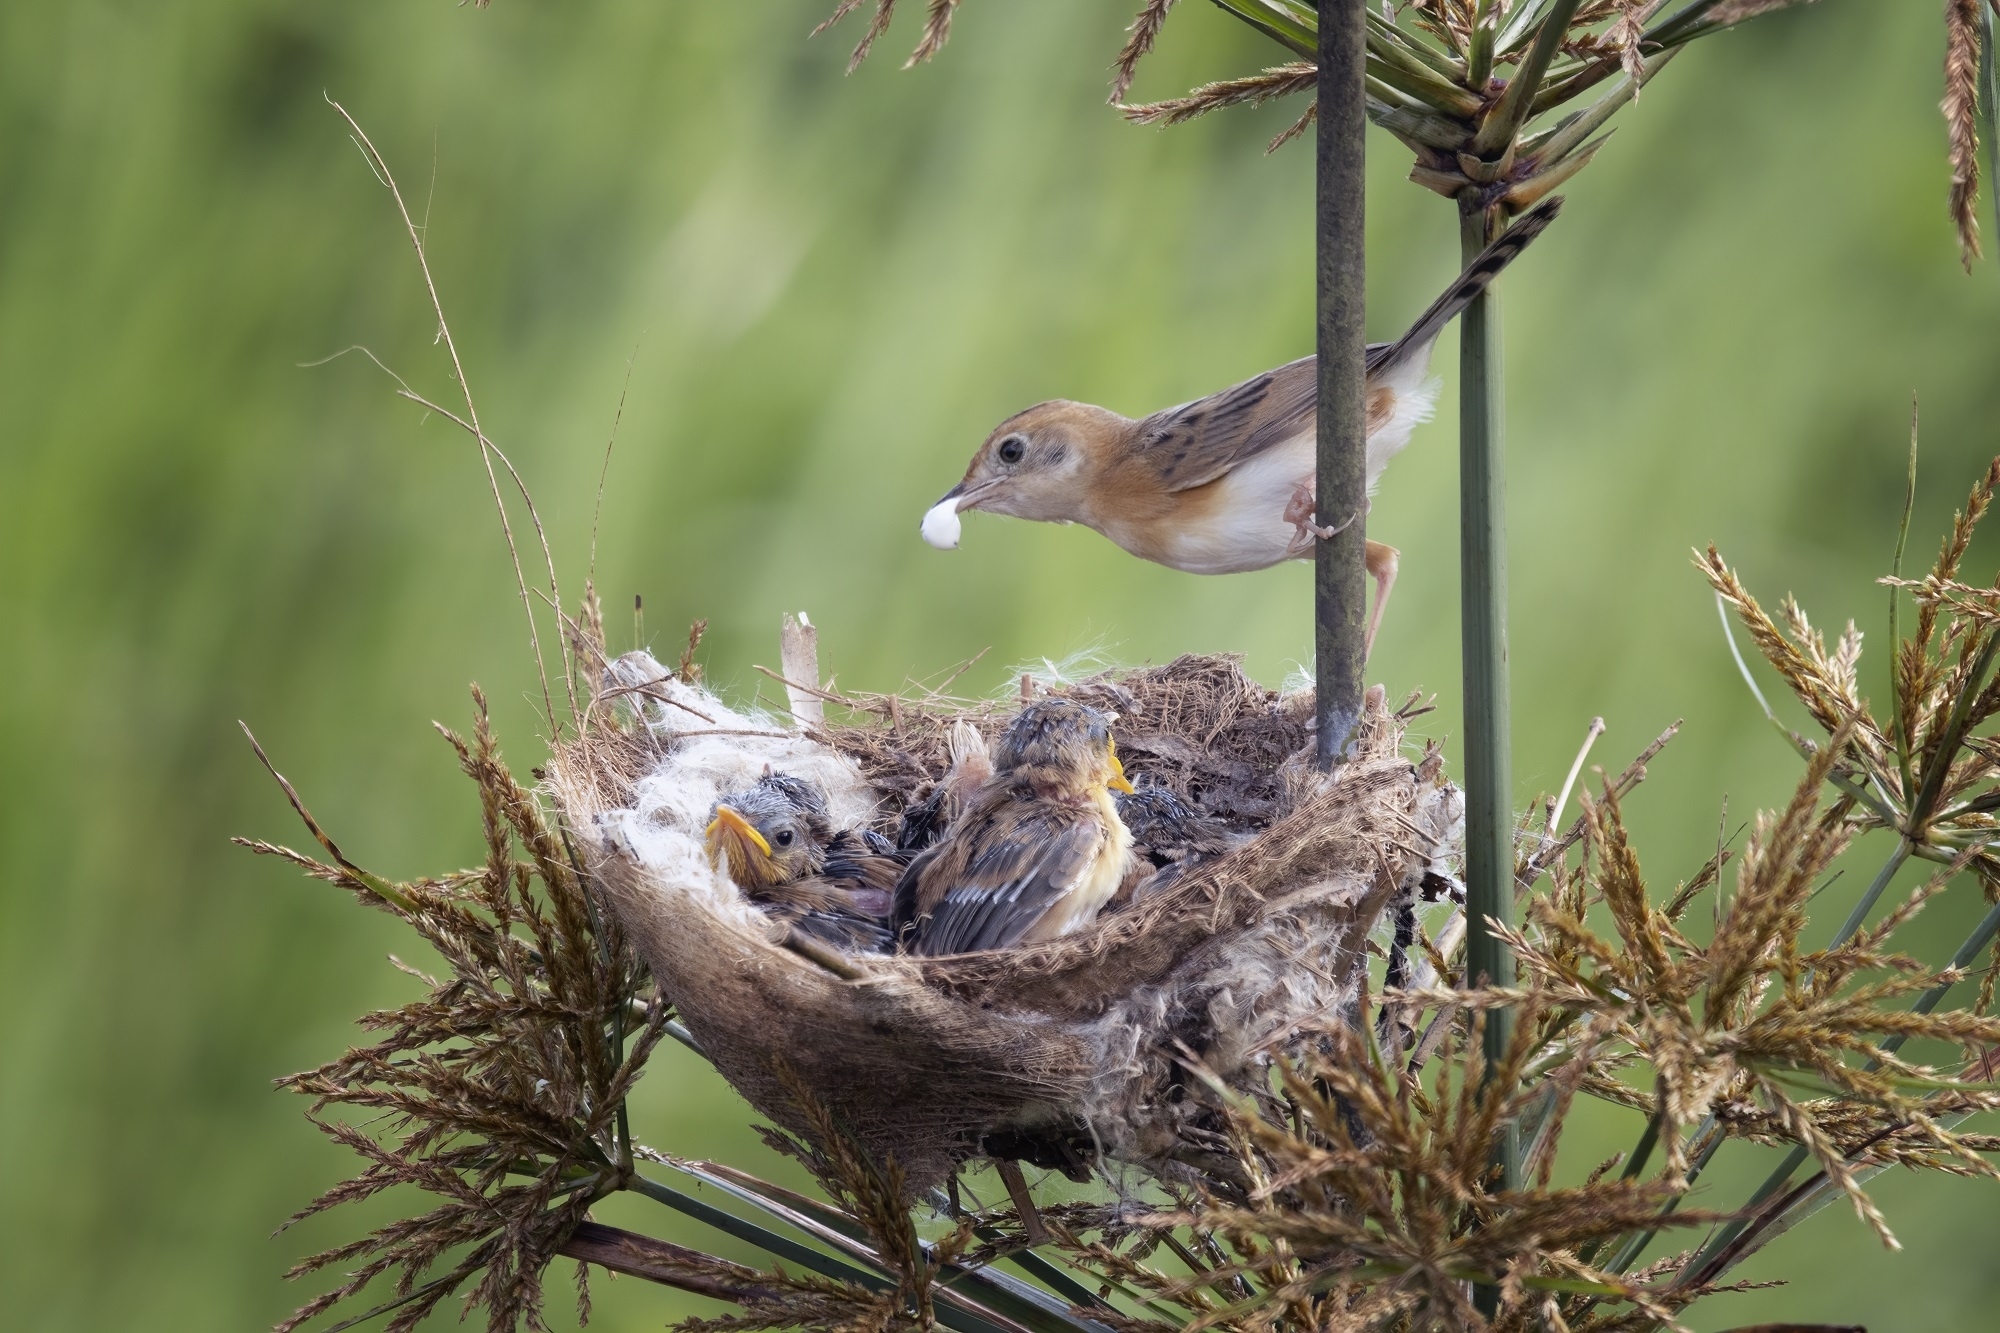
1299,513
1379,559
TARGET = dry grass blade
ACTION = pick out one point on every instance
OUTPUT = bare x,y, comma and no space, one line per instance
1736,11
937,31
1278,81
500,1091
1961,118
470,423
1145,30
1626,35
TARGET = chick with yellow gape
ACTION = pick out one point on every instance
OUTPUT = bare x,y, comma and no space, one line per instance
1226,483
1039,848
775,841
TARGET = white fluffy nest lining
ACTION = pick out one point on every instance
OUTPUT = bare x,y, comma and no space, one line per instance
1059,1053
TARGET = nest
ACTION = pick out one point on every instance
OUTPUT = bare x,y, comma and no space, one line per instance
1114,1042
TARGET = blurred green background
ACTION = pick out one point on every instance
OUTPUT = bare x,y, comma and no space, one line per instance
826,289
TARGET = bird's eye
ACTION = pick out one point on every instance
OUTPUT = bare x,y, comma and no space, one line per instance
784,838
1012,449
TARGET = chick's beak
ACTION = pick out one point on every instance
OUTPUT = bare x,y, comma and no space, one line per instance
735,846
1119,782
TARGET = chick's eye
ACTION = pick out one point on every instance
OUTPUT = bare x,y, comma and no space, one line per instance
785,838
1012,449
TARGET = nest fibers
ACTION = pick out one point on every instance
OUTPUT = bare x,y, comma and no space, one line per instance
1054,1053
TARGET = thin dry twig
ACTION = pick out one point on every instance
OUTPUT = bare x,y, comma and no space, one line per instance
470,422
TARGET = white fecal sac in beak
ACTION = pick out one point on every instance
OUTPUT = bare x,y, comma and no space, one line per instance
940,527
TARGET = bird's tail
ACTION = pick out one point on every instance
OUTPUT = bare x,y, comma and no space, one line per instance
1468,286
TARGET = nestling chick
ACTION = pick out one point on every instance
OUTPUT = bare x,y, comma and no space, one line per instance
1171,836
775,841
1225,483
971,766
1039,850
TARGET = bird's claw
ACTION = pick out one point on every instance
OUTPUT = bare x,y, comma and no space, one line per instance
1302,516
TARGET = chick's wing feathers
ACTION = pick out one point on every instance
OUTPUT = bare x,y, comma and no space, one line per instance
1193,444
843,930
861,866
1002,880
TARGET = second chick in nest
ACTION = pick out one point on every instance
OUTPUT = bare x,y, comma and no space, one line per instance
1040,848
1171,836
775,840
971,769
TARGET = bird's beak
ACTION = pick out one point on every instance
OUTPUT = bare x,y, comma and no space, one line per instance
940,525
734,844
1119,782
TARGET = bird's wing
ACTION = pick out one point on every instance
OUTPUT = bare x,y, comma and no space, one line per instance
1193,444
1013,874
848,933
909,891
861,870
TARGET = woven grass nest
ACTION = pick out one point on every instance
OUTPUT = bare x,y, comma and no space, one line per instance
1114,1042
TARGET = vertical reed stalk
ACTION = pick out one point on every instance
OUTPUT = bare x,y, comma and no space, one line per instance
1489,825
1989,112
1339,587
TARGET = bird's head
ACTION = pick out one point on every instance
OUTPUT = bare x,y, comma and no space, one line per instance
1034,465
769,834
1060,746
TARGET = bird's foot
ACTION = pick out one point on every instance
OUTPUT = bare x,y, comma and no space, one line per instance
1300,514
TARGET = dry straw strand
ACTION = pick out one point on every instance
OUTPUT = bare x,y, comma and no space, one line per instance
1961,116
1254,90
1143,32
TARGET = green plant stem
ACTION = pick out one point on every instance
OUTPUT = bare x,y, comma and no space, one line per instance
1290,25
1420,84
1521,22
1868,899
1587,122
1505,119
1479,53
1643,1149
782,1247
1381,31
1683,24
1340,593
1489,842
1989,112
1569,83
1413,126
953,1311
998,1290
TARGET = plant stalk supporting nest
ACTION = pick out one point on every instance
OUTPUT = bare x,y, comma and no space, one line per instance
1482,562
1339,587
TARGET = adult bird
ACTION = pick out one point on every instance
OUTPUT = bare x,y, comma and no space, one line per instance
1040,848
1225,483
775,841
